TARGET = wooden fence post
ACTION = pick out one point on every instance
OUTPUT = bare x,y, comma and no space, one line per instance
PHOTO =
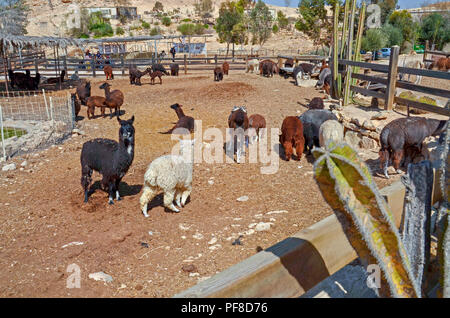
122,64
65,63
36,66
185,64
94,62
215,60
392,77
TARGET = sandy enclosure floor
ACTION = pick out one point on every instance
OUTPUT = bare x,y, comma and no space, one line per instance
42,206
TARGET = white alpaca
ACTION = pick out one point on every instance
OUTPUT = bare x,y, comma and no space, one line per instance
413,64
173,175
253,65
330,131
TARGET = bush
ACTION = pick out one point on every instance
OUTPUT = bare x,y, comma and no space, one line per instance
275,28
145,25
186,20
166,21
156,23
394,35
120,31
155,31
374,40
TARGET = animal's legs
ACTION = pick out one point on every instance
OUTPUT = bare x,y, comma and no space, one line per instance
178,198
186,193
147,195
168,200
86,178
398,155
111,192
118,198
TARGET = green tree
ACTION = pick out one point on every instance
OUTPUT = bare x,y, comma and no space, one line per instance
403,20
394,35
375,39
313,20
436,29
13,17
260,20
282,20
230,23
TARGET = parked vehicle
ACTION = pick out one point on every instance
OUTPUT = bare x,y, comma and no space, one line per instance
386,52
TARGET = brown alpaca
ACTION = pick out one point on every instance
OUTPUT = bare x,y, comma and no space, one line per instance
292,137
114,99
155,74
55,80
95,101
225,67
256,122
108,72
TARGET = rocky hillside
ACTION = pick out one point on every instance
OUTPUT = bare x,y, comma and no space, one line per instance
49,17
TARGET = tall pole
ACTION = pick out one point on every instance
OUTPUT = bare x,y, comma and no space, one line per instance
5,69
348,74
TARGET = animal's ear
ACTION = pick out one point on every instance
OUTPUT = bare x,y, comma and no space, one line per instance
131,121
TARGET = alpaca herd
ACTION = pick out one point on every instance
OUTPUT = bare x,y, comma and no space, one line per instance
172,174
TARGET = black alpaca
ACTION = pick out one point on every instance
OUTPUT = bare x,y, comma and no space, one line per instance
110,158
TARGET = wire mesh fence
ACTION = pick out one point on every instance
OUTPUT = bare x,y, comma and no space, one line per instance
31,120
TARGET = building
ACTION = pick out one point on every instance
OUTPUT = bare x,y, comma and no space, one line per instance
419,13
115,12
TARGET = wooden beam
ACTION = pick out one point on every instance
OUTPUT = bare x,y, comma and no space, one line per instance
375,67
392,77
367,92
369,78
423,89
427,73
296,264
423,106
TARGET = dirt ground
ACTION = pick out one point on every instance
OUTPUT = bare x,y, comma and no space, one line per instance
42,207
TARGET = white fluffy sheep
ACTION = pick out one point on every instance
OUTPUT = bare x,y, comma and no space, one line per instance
330,131
173,175
253,65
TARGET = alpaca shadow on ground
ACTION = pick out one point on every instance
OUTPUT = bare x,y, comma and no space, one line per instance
125,189
158,201
79,118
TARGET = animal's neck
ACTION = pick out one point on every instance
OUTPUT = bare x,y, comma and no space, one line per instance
179,112
107,92
127,146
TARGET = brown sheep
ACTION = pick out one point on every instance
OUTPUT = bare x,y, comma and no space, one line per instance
218,74
108,72
225,67
114,99
292,137
256,122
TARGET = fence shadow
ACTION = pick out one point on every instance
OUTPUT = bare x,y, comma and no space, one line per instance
303,262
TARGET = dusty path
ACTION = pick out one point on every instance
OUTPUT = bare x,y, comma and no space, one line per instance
42,207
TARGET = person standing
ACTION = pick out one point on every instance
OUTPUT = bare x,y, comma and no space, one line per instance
173,52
